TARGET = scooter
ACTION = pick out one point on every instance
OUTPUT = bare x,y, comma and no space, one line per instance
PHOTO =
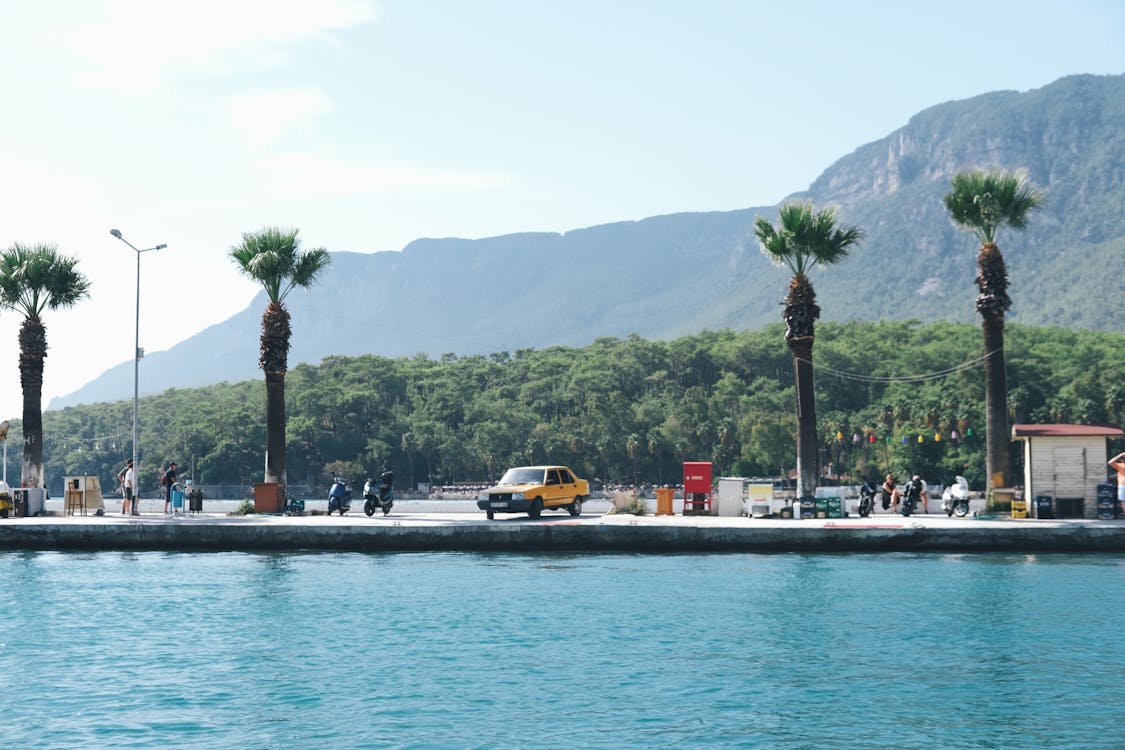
377,496
911,494
340,496
866,499
908,503
955,498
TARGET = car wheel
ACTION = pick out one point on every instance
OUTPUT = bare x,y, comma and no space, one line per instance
536,508
575,508
490,514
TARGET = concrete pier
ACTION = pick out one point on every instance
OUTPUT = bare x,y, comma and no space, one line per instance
412,530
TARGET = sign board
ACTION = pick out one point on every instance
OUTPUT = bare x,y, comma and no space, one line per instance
697,476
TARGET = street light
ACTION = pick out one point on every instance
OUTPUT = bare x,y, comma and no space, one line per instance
137,354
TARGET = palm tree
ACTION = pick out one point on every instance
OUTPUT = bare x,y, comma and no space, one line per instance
274,257
33,279
983,202
804,238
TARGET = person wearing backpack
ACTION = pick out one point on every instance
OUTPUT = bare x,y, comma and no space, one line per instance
167,481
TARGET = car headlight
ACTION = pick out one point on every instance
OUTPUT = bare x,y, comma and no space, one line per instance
482,496
517,496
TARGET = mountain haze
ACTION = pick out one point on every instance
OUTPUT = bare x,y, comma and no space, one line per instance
672,275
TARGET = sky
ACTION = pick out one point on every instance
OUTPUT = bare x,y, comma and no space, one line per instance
366,124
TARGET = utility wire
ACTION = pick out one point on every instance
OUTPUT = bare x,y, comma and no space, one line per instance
969,365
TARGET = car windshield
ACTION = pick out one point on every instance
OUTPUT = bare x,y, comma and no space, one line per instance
523,475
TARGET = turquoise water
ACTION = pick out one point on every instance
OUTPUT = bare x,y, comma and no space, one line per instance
158,650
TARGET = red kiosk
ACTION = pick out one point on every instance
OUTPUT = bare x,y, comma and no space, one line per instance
697,488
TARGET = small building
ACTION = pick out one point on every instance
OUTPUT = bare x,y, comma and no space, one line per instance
1066,463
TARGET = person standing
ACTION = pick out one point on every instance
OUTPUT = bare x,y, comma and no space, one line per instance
128,479
168,480
1118,463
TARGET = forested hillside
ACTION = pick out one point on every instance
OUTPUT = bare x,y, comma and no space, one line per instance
670,276
889,397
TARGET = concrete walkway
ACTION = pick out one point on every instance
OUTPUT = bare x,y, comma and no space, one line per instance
410,529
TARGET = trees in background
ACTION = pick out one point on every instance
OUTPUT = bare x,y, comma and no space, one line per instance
619,408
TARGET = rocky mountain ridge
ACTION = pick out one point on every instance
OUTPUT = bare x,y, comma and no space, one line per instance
667,276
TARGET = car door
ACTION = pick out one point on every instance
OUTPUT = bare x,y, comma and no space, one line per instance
554,491
569,485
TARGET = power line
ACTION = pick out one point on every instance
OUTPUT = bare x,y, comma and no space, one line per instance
969,365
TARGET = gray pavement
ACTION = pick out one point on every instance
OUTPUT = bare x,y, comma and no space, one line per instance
426,525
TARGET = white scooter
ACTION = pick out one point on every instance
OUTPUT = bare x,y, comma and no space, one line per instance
955,498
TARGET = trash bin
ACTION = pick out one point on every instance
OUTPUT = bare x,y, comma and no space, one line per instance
195,500
177,501
664,496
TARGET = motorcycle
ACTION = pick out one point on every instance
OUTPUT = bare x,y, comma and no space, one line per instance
340,496
911,494
378,496
955,498
866,499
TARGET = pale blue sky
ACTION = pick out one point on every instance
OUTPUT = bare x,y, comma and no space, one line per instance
369,124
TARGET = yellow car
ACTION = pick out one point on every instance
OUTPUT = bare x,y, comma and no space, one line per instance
530,489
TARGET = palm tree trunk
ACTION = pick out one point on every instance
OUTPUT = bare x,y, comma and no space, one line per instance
800,315
808,459
275,427
997,440
992,302
273,360
33,350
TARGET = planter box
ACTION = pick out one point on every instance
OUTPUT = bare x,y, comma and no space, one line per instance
268,498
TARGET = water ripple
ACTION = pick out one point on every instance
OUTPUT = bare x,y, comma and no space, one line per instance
232,650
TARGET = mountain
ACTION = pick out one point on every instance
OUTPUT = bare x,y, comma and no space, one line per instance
667,276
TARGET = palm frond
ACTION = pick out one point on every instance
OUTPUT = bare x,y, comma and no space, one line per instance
273,257
34,278
984,201
805,237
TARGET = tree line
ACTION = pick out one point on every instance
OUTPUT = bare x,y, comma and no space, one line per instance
890,396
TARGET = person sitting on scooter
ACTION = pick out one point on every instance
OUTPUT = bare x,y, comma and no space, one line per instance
891,494
915,492
386,483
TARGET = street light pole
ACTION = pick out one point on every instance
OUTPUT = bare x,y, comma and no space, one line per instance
136,363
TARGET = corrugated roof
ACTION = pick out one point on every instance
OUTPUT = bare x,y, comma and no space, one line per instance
1065,430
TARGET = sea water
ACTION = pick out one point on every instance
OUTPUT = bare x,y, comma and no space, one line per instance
448,650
